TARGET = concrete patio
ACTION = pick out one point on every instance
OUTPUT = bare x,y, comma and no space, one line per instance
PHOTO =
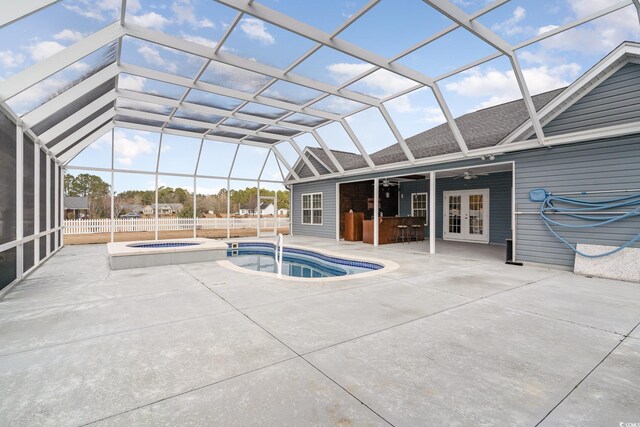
442,340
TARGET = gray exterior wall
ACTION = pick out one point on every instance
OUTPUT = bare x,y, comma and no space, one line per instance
499,185
606,165
328,227
614,101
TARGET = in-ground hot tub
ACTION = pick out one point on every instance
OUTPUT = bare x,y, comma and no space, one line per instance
123,255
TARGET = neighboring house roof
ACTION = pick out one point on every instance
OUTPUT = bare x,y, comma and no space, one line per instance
133,207
74,202
265,205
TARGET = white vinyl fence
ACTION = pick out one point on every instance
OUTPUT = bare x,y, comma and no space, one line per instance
90,226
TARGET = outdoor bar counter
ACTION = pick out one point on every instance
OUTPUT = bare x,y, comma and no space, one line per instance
388,228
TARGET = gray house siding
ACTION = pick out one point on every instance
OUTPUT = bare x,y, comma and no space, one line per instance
499,185
610,164
605,165
328,227
615,101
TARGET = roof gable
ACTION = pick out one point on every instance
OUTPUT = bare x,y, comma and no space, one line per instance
614,101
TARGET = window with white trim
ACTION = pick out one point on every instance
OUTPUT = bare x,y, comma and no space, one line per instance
419,205
312,208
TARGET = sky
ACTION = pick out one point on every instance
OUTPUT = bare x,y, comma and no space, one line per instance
388,29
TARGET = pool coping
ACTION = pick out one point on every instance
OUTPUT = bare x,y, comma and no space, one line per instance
116,249
387,266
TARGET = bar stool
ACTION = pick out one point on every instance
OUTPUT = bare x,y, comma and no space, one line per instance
416,232
402,232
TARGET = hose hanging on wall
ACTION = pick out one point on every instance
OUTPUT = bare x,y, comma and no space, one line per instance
585,210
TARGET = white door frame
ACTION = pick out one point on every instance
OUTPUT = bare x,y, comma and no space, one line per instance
464,235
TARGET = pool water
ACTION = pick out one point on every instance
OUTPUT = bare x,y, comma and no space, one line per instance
163,245
295,262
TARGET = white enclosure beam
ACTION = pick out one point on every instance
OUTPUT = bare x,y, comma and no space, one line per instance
83,131
205,125
70,154
461,18
450,120
113,186
304,158
357,143
20,200
47,192
13,10
77,117
36,203
283,21
577,22
318,159
146,128
70,95
328,152
247,64
488,8
396,133
56,62
159,100
285,163
219,90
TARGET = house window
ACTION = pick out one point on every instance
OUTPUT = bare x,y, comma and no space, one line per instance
419,205
312,208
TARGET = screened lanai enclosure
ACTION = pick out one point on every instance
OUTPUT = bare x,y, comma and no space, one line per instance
165,109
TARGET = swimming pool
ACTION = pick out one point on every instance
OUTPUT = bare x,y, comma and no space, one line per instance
163,245
296,262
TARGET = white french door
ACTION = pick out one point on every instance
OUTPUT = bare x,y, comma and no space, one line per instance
466,215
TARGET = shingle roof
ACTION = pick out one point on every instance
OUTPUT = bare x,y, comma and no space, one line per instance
480,129
73,202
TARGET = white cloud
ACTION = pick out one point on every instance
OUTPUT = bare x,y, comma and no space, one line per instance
200,40
383,83
152,56
69,35
149,20
184,13
43,50
126,149
9,59
500,86
87,12
37,94
100,11
510,26
380,83
134,83
255,30
546,28
595,38
344,71
79,67
425,114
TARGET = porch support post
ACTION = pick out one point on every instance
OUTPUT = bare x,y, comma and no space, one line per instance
376,197
432,212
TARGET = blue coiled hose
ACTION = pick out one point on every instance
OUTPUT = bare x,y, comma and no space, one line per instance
581,208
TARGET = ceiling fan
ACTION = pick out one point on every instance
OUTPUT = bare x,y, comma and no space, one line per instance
468,174
386,183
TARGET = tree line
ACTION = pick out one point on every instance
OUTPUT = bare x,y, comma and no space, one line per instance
98,193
